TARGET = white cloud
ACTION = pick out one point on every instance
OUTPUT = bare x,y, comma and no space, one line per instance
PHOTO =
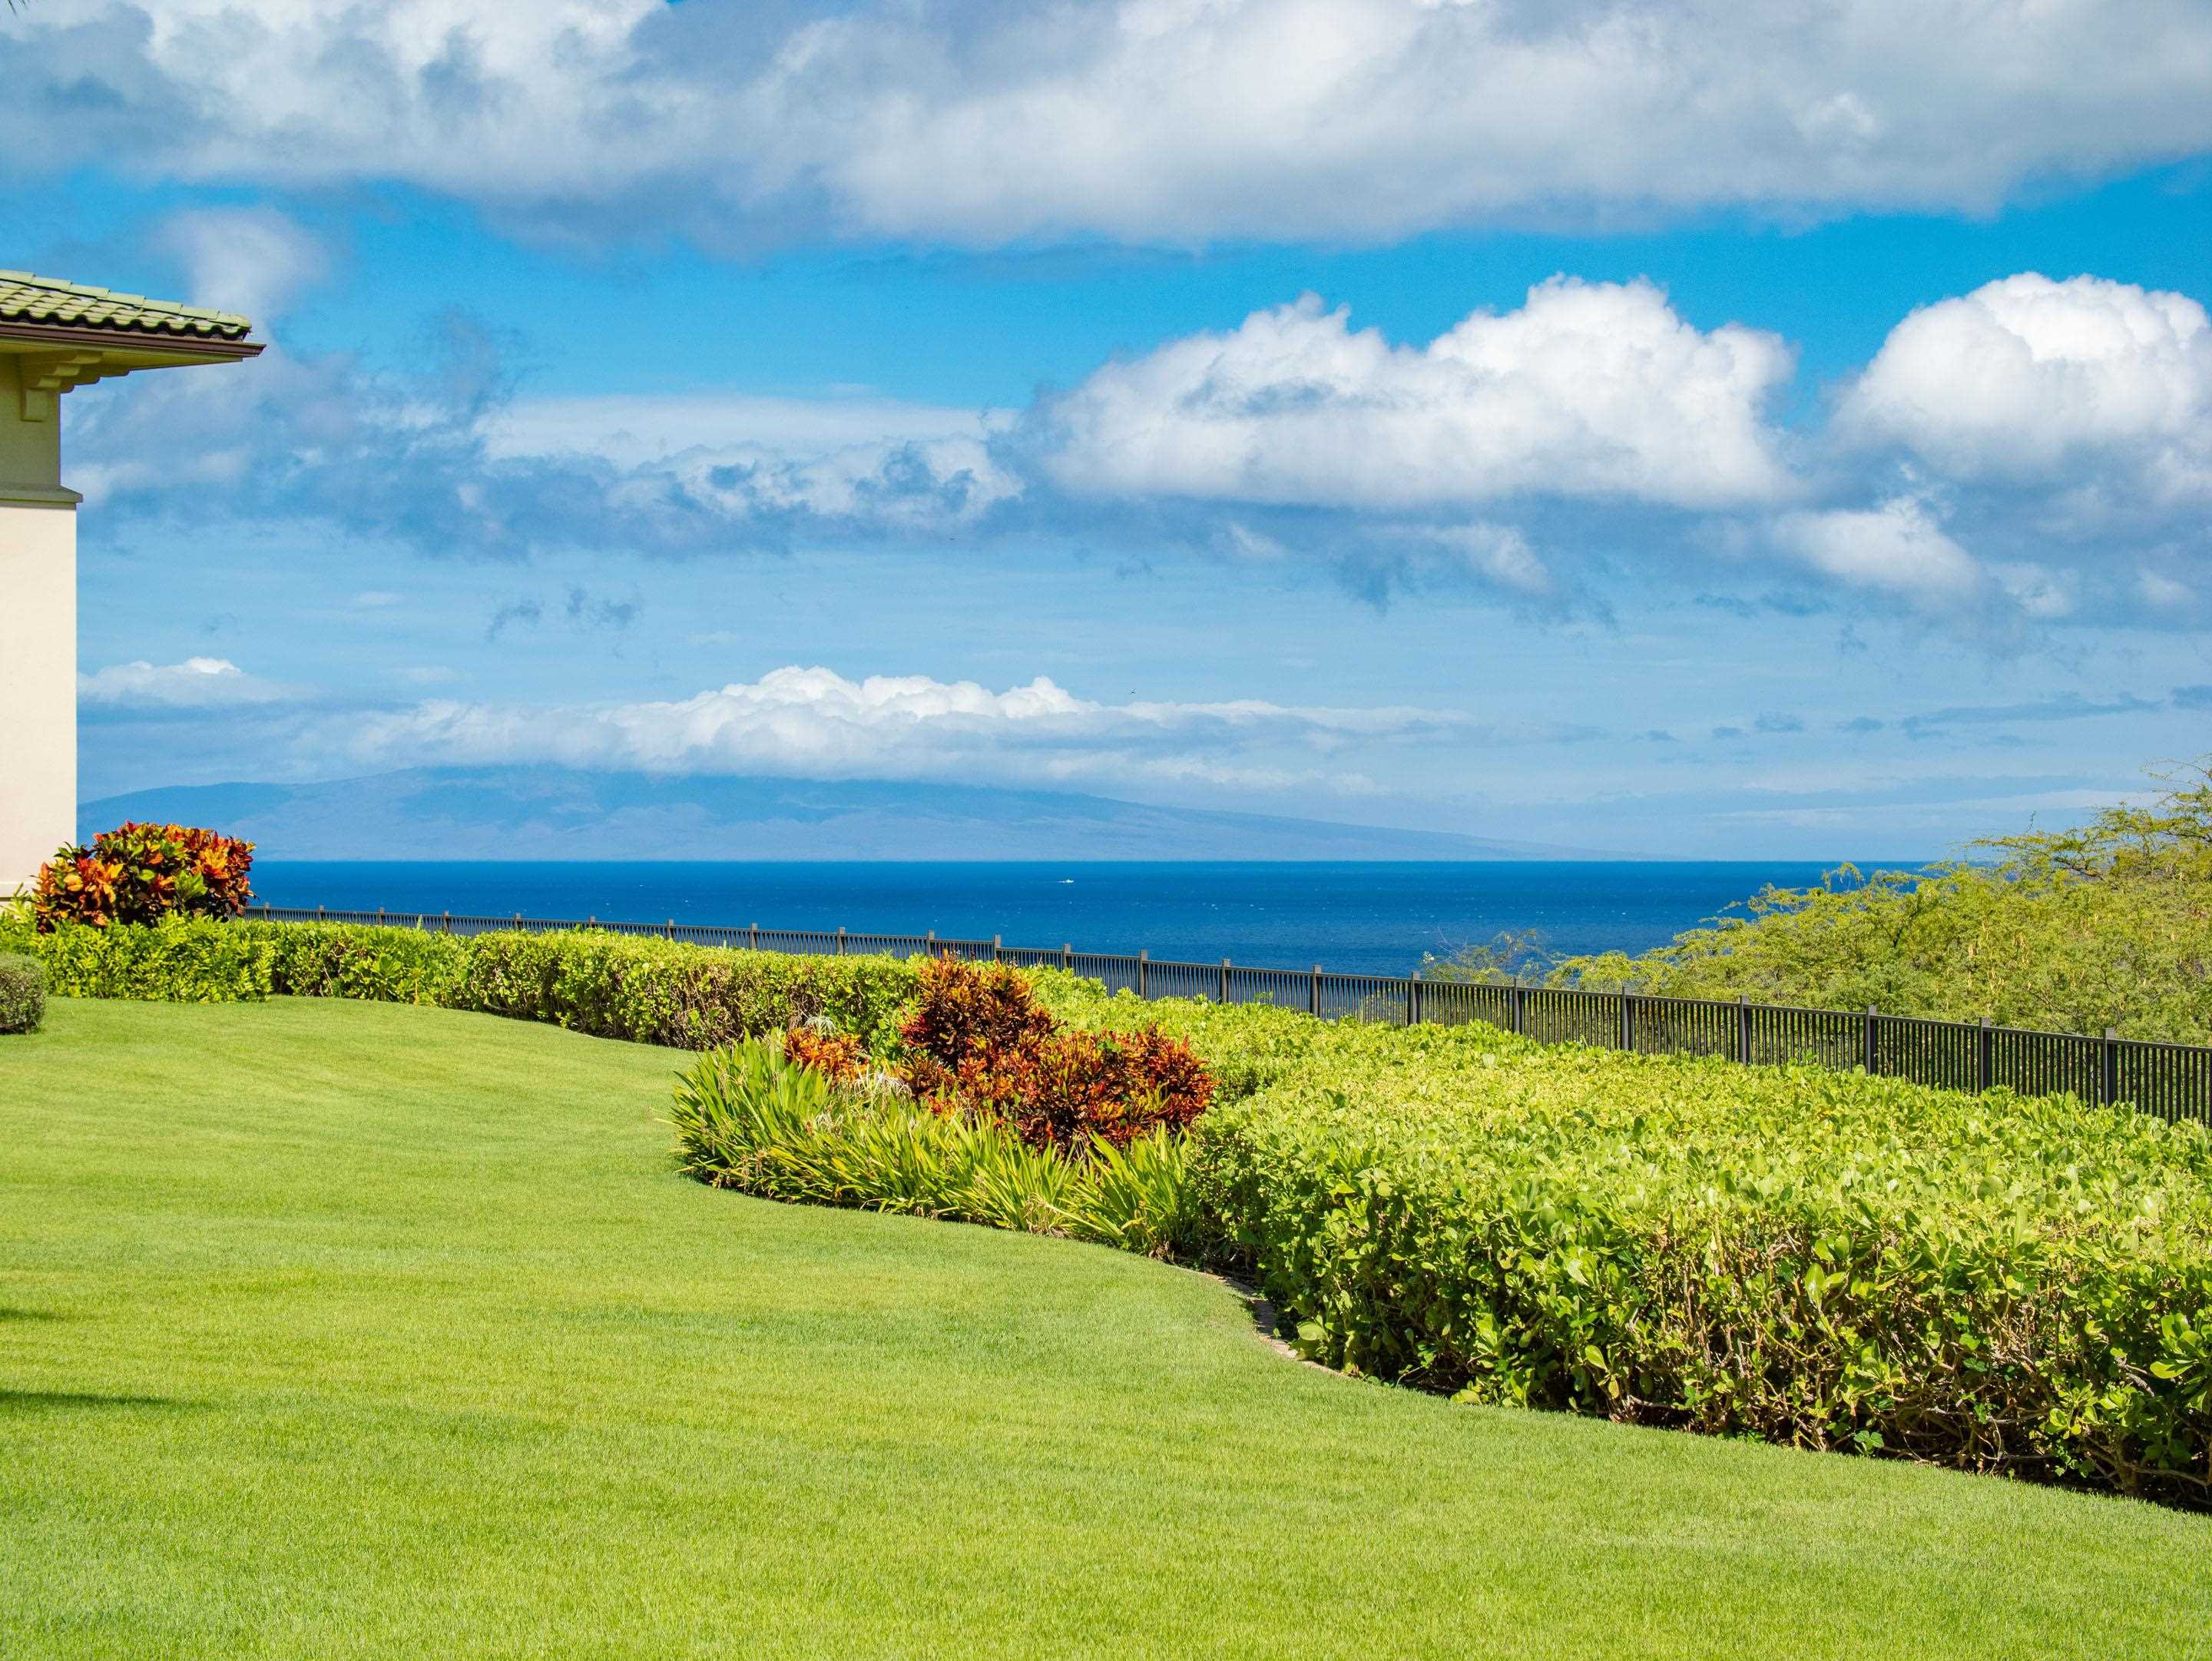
252,260
195,684
1897,547
1147,120
815,723
2033,381
1590,390
632,428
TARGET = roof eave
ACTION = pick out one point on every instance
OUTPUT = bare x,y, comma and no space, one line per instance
159,349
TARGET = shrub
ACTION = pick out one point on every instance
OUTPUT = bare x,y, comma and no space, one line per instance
1812,1258
22,993
350,960
977,1040
2075,931
751,1117
651,991
139,873
688,997
961,1011
836,1056
175,961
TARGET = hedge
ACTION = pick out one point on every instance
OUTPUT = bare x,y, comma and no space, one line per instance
1811,1257
652,991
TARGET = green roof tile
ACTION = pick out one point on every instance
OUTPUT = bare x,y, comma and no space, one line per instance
25,298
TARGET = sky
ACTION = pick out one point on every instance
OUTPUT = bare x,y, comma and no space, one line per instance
1698,430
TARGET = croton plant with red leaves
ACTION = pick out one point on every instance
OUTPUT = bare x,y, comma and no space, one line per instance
977,1042
143,872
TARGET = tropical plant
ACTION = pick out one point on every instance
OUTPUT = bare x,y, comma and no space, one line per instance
977,1041
139,873
751,1116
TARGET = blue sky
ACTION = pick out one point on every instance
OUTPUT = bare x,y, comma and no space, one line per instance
1646,427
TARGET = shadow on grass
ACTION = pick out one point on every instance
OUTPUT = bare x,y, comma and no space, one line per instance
7,1313
64,1401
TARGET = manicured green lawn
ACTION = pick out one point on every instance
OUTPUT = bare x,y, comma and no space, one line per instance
335,1329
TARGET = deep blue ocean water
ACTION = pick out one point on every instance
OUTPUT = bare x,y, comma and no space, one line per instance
1355,918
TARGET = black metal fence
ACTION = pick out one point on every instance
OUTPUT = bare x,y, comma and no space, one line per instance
2172,1080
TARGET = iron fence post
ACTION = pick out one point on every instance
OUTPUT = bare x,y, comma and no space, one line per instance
996,938
840,940
753,936
1313,992
1520,1006
1984,1056
1143,958
1627,1019
929,944
1067,954
449,922
2112,1068
1224,998
1869,1049
1743,1028
671,928
1414,1001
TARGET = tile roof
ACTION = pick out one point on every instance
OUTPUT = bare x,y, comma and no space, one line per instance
25,298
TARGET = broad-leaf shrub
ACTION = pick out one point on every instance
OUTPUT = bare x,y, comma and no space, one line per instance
22,992
138,874
838,1057
173,961
689,997
976,1040
751,1116
1812,1258
353,960
648,990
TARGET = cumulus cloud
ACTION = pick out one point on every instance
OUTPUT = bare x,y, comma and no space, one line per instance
1898,547
1589,390
196,684
1147,119
2029,380
1553,454
815,723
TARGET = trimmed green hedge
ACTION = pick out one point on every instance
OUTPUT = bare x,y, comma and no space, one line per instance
173,961
690,997
1810,1257
652,991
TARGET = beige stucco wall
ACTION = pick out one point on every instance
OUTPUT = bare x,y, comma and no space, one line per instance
38,686
38,641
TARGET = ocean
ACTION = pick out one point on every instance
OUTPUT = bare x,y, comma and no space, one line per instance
1376,918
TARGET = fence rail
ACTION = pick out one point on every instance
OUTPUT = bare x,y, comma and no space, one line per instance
2174,1082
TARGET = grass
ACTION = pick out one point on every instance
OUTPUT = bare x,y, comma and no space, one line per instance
335,1330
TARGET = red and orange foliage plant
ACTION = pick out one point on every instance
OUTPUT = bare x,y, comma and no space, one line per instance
143,872
977,1042
836,1056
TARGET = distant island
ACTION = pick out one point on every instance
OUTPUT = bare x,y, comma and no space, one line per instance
554,813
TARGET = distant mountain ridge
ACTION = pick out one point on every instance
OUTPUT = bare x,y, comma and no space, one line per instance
554,813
